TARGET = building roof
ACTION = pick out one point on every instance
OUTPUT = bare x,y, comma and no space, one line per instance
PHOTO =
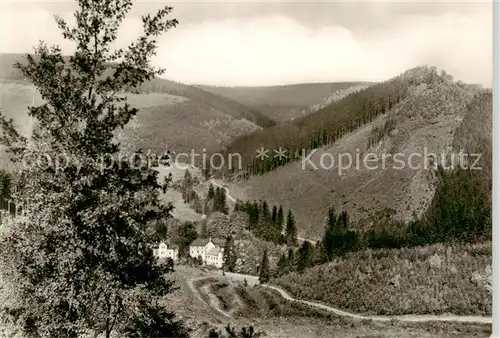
213,251
205,241
199,242
169,246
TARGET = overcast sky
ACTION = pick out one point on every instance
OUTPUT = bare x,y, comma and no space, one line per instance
258,43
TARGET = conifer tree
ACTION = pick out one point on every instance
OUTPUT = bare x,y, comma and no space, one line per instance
281,217
82,261
291,259
304,256
223,203
274,216
265,273
264,228
229,256
204,229
290,229
5,189
211,192
282,266
188,178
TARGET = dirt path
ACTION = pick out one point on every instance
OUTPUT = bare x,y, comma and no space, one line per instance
232,199
253,280
228,195
213,301
401,318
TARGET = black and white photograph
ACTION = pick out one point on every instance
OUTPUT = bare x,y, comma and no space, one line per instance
245,169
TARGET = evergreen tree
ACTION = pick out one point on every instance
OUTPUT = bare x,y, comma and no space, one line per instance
329,234
253,216
211,192
264,273
188,178
266,216
276,228
197,204
239,206
217,200
223,203
304,258
219,204
204,229
338,239
274,217
280,218
265,231
82,261
229,256
291,260
5,189
291,229
282,266
319,256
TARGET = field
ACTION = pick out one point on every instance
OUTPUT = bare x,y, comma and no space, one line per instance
428,280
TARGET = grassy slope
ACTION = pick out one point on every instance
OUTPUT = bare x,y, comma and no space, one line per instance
182,211
427,118
185,126
170,115
427,280
281,103
15,97
223,104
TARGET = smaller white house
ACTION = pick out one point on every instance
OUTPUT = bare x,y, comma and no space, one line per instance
164,251
211,251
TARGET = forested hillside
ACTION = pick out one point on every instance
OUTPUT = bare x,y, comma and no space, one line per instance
282,103
423,122
321,128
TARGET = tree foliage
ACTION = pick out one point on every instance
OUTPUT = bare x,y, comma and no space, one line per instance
229,256
460,211
81,261
184,235
321,128
262,222
290,229
264,273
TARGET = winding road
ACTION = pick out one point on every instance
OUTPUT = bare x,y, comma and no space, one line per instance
400,318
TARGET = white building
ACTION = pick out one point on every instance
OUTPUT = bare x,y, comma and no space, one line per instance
211,251
164,251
